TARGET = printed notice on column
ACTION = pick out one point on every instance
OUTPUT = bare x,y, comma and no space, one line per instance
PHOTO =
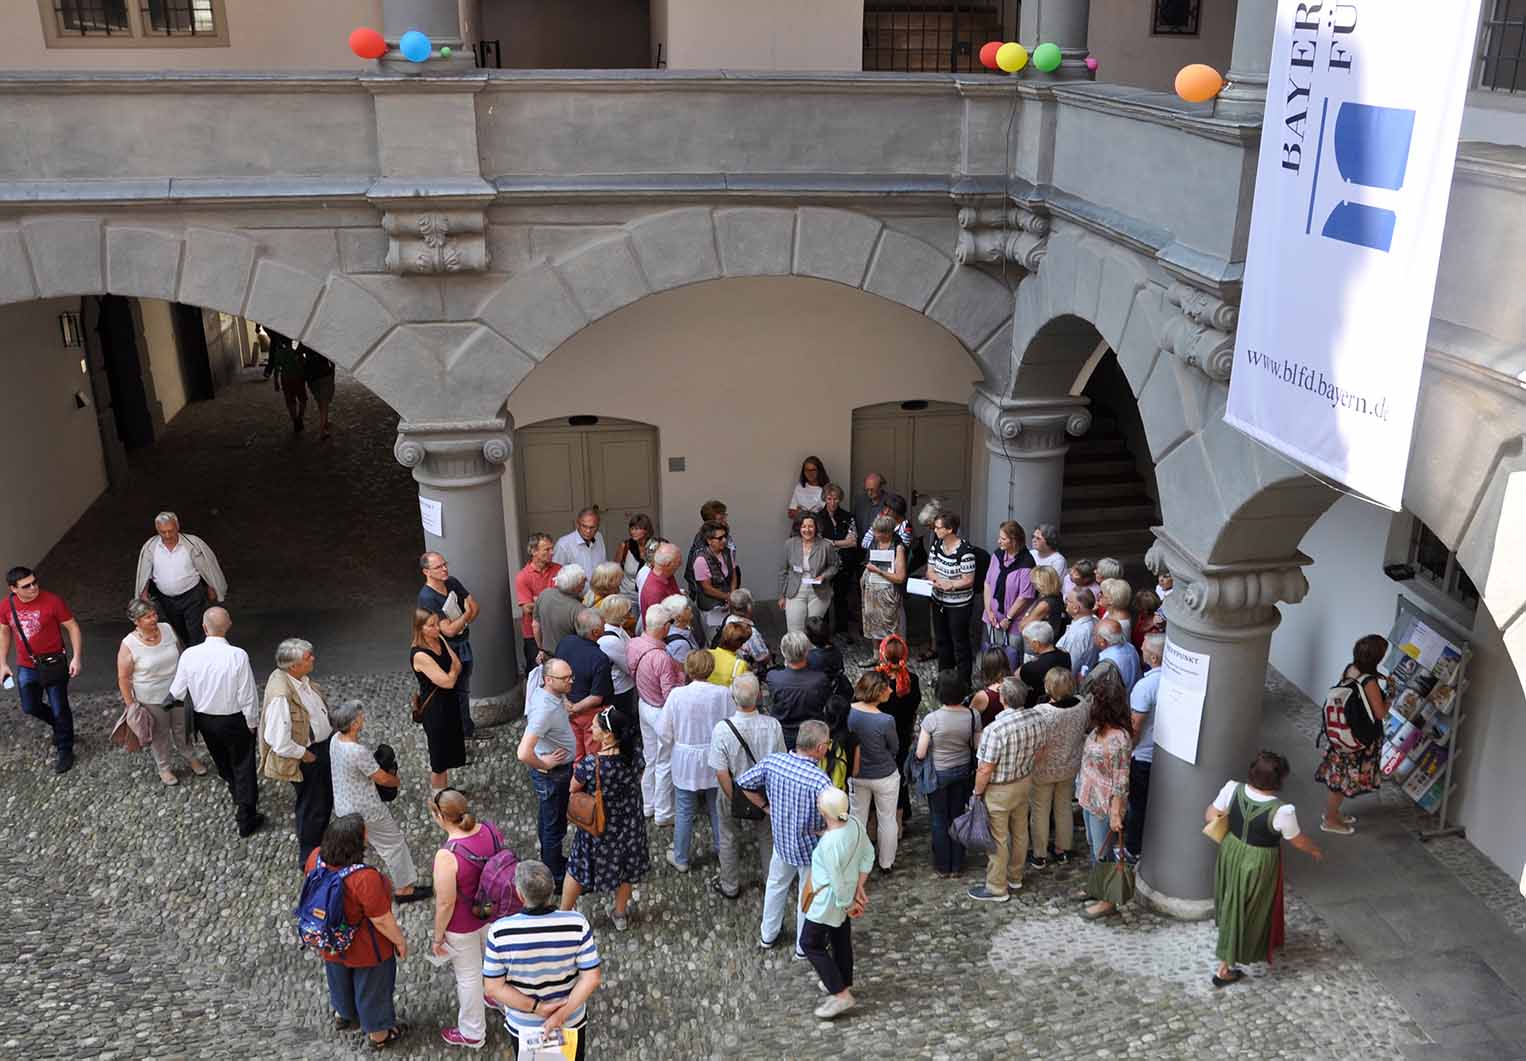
431,513
1179,702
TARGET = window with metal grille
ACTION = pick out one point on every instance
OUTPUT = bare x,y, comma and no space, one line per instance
89,18
1502,47
179,17
1436,564
915,35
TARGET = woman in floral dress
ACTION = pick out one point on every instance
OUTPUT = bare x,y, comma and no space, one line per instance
616,859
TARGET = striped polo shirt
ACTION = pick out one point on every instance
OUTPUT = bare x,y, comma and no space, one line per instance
950,566
540,955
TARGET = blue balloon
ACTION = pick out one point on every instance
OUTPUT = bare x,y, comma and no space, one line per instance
414,46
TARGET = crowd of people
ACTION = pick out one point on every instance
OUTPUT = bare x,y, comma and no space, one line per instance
652,695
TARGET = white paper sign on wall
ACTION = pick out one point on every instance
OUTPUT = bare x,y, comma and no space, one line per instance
1362,115
432,515
1179,701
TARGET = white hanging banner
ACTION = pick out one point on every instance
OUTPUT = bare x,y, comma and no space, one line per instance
1362,115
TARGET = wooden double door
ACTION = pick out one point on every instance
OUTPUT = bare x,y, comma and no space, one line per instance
921,448
564,467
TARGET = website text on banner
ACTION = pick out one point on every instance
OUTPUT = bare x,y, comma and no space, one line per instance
1355,169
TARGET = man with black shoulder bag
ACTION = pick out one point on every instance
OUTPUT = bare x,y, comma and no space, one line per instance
39,619
738,744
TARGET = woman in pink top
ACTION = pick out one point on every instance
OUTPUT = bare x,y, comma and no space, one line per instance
458,933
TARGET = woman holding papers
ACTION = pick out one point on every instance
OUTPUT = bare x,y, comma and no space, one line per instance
805,582
883,582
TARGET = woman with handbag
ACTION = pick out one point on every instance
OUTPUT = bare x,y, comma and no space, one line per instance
830,896
1008,590
437,705
145,668
1104,778
947,744
609,851
458,932
1247,881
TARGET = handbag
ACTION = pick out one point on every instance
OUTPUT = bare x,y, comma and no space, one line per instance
1217,829
585,809
973,828
742,808
1112,878
418,706
921,774
51,668
807,893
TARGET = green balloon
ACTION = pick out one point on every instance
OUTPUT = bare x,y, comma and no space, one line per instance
1046,57
445,53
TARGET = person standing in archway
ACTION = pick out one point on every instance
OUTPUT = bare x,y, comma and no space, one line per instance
318,372
584,544
951,567
285,365
179,574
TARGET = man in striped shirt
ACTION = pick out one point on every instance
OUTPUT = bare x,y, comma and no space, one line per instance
786,785
540,965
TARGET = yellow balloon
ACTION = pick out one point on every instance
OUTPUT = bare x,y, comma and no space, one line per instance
1198,83
1011,57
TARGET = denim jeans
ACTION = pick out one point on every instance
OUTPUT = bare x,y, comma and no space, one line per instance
1097,829
689,804
552,789
50,704
944,804
364,994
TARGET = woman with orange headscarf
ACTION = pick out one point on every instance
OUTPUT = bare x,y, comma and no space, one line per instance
905,698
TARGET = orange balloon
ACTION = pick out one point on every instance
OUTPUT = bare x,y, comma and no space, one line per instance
1198,83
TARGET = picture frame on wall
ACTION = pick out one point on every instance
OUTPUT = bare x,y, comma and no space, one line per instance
1176,18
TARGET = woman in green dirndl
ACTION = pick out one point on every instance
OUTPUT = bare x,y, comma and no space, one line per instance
1247,881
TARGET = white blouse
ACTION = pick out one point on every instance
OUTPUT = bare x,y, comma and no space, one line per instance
153,666
688,722
806,498
1284,821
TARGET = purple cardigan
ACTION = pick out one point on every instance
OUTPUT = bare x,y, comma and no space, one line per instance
1016,584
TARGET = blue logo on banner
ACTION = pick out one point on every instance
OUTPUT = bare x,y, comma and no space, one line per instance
1371,150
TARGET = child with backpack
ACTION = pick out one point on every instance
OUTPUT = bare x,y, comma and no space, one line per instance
1355,708
473,886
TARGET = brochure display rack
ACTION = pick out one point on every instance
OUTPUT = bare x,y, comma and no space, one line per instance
1428,661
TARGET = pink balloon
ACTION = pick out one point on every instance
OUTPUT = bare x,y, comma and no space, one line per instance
1091,63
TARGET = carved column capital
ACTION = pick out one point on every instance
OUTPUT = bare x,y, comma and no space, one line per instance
454,453
1026,428
991,233
1202,331
1226,601
426,240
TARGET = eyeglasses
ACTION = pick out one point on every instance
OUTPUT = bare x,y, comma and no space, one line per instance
559,677
29,585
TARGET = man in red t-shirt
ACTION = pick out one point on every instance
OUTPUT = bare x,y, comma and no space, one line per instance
37,619
534,577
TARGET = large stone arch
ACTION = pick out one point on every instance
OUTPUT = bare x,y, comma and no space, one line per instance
226,269
540,309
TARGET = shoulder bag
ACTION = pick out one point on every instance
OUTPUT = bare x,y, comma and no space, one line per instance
585,809
743,808
418,705
52,668
1112,878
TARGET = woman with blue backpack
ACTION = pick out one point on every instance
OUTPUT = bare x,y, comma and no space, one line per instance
473,885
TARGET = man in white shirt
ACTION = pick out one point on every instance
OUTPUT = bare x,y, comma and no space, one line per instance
179,573
220,683
1079,638
294,741
1142,699
729,759
584,545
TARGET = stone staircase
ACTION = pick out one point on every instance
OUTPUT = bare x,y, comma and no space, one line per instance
1106,509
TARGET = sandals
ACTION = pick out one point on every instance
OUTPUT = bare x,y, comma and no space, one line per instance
345,1024
1343,829
393,1035
1234,977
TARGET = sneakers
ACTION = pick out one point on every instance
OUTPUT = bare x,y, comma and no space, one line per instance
1013,887
836,1006
715,886
490,1004
1038,862
768,944
981,893
454,1037
1060,857
682,867
798,956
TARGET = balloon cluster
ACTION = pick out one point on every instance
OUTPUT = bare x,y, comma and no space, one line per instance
1198,83
414,46
1011,57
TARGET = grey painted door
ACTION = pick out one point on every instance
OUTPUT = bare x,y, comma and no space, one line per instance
563,469
923,453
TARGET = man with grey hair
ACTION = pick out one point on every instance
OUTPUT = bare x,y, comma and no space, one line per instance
540,965
656,674
662,581
1113,644
584,544
796,692
787,784
681,638
755,651
738,744
547,750
1038,640
1142,700
218,679
294,740
1079,638
556,609
1004,779
180,574
593,683
443,594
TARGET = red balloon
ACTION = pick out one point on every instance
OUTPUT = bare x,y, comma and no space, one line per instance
988,54
367,43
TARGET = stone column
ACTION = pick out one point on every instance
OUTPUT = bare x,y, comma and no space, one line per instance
1227,611
1027,439
460,465
1249,62
1062,22
440,21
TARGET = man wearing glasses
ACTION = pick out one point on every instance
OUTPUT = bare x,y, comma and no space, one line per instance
583,546
547,749
38,619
